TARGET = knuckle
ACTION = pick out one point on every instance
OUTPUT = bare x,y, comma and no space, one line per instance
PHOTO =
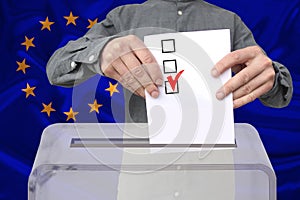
229,88
270,73
235,55
250,97
244,78
117,47
150,87
126,76
108,57
138,71
136,44
247,89
220,66
266,62
256,49
148,58
109,72
131,38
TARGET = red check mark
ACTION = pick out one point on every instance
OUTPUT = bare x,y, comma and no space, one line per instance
172,81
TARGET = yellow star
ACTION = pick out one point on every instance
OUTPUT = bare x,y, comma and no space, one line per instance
95,106
92,23
71,114
48,108
28,43
71,19
112,88
22,66
46,24
29,90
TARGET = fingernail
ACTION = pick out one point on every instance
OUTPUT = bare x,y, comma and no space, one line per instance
214,72
220,95
159,82
154,94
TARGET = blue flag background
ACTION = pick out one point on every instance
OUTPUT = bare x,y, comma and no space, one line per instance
275,25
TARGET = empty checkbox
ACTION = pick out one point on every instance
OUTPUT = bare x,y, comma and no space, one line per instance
170,66
168,46
169,90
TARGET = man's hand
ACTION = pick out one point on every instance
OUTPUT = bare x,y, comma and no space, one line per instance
127,60
254,77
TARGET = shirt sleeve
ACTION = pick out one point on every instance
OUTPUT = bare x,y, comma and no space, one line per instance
79,60
281,93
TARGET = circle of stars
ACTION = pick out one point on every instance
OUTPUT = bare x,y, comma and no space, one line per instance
29,90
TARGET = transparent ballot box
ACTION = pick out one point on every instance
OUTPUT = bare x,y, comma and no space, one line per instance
117,162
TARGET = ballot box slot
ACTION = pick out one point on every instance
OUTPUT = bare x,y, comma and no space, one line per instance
135,143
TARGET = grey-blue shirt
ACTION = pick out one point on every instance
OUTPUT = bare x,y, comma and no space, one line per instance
79,60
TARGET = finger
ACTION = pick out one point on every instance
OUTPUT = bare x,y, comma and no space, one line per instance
141,75
234,58
112,73
129,81
147,59
251,96
153,70
106,62
112,52
140,91
120,67
240,79
134,66
150,64
126,78
256,82
145,81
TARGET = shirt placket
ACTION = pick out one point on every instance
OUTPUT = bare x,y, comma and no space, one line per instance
180,16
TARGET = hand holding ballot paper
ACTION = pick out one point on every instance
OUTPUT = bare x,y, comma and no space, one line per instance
127,60
187,111
163,67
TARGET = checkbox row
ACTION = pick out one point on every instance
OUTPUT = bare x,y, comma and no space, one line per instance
169,90
168,46
170,66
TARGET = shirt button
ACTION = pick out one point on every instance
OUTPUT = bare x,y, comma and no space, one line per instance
179,12
73,65
91,58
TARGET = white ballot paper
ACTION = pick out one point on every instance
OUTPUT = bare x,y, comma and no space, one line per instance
187,111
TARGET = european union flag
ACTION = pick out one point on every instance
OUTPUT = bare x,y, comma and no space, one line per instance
32,30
